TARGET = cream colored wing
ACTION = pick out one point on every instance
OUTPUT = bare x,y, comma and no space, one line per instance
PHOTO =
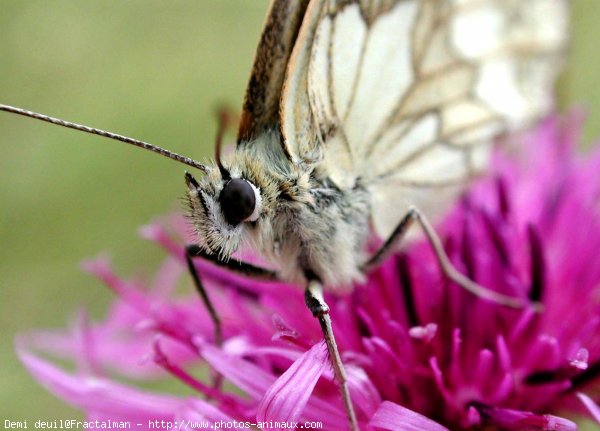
407,95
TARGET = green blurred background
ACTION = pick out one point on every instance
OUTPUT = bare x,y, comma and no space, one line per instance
153,70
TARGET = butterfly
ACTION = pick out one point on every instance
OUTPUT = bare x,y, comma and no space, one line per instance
364,117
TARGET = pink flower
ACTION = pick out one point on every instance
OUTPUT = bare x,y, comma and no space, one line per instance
421,353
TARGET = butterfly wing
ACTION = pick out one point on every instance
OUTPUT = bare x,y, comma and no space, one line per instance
405,96
260,111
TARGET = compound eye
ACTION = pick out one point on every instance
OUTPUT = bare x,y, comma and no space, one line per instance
237,200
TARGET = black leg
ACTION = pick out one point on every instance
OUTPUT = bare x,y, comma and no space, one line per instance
214,316
448,269
193,251
313,296
237,266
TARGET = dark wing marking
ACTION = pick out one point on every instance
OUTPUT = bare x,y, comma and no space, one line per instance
261,104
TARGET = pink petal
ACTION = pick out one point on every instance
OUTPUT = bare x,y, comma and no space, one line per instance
242,373
199,412
393,417
363,392
286,398
517,420
100,395
593,408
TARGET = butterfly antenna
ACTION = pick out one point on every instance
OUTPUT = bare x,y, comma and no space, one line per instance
224,115
145,145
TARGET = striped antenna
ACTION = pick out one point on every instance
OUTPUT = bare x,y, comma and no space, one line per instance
145,145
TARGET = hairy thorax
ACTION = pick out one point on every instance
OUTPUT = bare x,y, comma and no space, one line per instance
308,227
323,237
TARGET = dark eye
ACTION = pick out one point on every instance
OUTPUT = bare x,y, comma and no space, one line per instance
237,201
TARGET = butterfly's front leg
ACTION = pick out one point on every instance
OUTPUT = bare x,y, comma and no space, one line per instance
193,251
313,296
446,266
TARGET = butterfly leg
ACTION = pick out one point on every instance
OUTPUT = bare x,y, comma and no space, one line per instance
448,269
193,251
190,253
315,301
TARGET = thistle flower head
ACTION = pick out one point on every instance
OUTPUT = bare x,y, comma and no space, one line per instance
420,352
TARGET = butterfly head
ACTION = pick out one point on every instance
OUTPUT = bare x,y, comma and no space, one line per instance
221,206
